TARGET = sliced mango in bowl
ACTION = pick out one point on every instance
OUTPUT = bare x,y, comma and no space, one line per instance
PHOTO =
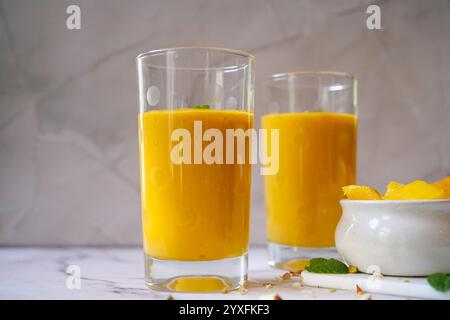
416,190
354,192
444,184
391,187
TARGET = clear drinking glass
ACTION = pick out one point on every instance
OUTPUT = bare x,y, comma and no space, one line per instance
315,115
195,204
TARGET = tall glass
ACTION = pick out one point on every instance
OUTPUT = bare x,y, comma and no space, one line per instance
315,115
195,200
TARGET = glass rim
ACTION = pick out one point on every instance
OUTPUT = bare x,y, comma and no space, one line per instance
235,52
294,74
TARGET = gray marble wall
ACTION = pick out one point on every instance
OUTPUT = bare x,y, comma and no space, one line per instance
68,99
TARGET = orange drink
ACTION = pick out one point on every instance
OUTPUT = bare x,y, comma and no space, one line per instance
192,212
314,113
195,188
317,154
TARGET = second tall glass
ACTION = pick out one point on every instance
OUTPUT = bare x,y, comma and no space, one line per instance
315,115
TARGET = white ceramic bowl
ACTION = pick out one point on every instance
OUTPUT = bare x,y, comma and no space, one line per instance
395,237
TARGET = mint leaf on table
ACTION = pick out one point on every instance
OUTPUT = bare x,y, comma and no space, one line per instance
440,282
322,265
201,106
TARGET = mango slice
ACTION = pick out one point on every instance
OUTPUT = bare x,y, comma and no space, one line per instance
354,192
417,190
444,184
392,186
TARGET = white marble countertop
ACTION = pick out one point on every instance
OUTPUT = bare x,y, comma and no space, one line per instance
117,273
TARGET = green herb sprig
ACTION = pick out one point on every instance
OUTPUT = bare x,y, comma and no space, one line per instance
440,282
322,265
201,106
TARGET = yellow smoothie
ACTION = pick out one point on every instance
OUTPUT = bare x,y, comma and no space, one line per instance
317,156
192,211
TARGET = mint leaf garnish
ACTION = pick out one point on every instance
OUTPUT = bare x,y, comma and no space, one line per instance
440,282
322,265
201,106
319,109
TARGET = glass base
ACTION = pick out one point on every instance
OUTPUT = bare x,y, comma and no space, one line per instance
295,258
195,276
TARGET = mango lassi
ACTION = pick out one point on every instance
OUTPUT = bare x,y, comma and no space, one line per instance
317,157
192,212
